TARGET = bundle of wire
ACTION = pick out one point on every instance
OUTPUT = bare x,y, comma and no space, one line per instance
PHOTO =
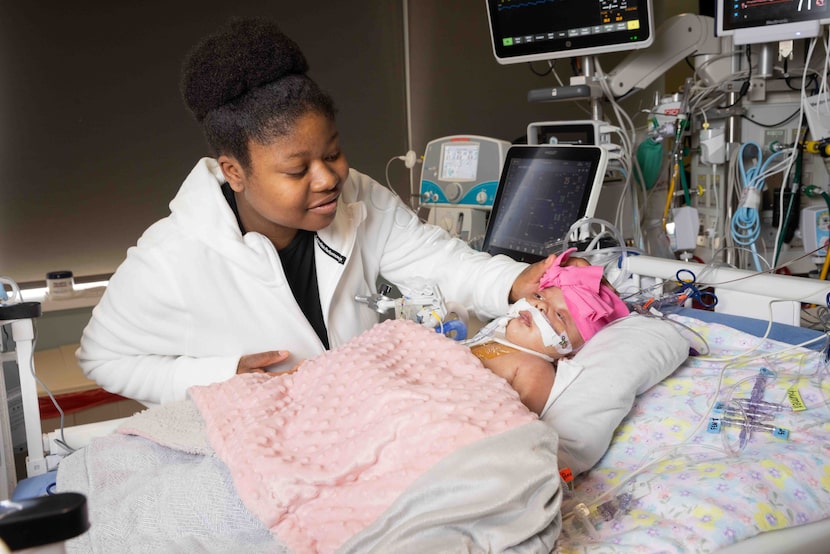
746,221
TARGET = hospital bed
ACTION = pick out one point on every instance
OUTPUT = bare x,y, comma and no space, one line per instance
665,484
700,491
663,454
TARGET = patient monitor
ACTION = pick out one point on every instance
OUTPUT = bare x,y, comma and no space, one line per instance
459,178
582,132
543,191
764,22
522,31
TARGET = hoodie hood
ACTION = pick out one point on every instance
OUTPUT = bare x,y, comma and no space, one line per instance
201,212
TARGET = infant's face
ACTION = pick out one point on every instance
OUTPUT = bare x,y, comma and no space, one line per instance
551,302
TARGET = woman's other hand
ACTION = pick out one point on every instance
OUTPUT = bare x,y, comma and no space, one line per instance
257,363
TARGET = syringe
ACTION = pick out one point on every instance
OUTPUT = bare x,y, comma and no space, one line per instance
716,423
759,403
752,412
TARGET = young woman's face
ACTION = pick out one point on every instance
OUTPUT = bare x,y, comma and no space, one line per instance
292,183
551,302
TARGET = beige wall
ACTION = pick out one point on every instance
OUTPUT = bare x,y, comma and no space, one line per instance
95,139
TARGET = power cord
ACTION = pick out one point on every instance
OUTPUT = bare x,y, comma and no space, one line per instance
410,160
746,221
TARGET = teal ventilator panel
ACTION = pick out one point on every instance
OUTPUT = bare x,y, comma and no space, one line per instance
462,171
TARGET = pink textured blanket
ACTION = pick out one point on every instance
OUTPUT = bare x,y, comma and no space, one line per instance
319,454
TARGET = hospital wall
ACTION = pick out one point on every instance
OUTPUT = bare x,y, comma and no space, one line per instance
96,139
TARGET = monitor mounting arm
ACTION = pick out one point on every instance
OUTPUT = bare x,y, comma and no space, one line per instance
678,37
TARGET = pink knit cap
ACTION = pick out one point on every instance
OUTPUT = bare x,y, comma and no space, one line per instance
592,304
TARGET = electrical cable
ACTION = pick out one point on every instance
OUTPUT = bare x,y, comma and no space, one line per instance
62,441
410,161
388,182
626,132
783,226
17,300
746,222
677,151
810,191
706,96
540,73
772,125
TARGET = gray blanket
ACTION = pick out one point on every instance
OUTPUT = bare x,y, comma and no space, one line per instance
170,494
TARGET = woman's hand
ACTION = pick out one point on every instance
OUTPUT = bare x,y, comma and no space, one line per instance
256,363
528,280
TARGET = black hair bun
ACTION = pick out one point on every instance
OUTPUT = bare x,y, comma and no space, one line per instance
244,55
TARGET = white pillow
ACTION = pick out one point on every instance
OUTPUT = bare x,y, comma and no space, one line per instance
596,389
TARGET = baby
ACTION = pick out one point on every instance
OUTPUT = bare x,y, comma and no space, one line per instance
572,304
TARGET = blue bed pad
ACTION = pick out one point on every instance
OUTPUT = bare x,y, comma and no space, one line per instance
780,331
38,485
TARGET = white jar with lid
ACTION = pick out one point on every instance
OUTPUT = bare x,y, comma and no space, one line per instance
60,284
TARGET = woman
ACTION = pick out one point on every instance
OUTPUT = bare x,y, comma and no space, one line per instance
268,240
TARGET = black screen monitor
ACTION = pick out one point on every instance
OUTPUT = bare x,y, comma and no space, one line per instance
543,191
523,31
762,21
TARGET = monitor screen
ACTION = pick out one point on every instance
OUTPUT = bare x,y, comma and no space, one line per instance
459,161
522,30
761,21
543,190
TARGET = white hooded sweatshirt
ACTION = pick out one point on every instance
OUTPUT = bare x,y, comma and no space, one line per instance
194,294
